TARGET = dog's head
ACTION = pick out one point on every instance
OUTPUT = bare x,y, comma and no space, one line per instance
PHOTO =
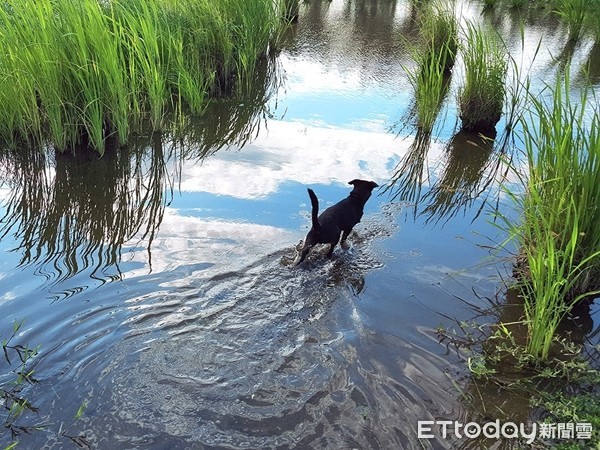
362,189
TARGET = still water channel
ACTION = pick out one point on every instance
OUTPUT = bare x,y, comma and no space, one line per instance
158,280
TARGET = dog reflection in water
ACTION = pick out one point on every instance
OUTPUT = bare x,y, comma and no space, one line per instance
336,220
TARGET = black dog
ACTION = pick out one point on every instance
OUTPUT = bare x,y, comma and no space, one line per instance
337,219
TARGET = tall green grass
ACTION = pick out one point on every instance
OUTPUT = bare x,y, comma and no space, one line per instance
72,70
435,58
430,85
440,30
558,237
481,98
573,13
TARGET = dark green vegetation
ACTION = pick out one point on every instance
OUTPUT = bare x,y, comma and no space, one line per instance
557,266
481,98
533,350
78,71
559,262
435,58
81,217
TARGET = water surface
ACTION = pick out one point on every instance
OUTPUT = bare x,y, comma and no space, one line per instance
158,280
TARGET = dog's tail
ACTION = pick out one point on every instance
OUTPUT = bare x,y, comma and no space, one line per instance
315,210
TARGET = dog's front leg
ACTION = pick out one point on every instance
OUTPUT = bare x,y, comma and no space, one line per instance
333,244
303,254
345,234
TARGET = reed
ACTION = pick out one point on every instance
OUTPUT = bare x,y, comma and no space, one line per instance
559,262
481,98
79,70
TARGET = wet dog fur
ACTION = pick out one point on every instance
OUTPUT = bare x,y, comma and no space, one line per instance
338,219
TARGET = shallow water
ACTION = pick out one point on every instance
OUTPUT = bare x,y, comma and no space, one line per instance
159,282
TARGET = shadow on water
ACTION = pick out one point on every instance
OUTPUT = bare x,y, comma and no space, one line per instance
470,169
468,172
72,212
345,35
67,214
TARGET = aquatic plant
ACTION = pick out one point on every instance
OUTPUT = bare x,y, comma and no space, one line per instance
76,71
575,405
13,401
559,260
291,10
573,13
430,86
439,28
435,58
481,98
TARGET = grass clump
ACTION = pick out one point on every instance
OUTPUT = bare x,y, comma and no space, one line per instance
573,13
77,70
481,98
430,87
440,30
434,60
559,262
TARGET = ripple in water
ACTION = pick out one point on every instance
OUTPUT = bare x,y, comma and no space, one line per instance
267,356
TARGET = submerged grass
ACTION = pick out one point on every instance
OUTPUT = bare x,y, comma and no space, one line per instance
481,98
72,70
559,263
